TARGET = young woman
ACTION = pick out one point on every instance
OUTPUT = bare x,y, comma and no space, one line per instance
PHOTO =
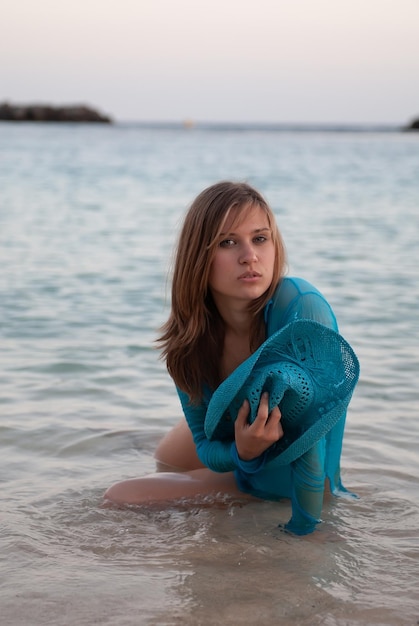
229,294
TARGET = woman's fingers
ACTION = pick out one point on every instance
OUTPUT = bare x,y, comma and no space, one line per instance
263,410
243,414
264,416
273,424
254,438
275,419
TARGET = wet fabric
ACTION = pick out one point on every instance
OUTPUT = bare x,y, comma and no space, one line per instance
266,477
308,370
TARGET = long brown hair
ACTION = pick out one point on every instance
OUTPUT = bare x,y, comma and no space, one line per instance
192,338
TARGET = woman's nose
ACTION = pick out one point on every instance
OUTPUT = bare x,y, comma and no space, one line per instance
248,254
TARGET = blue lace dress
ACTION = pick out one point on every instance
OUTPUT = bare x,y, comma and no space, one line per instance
302,480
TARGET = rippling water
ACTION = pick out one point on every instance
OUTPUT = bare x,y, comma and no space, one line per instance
88,219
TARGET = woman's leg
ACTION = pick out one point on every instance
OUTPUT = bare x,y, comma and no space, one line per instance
181,475
165,487
176,451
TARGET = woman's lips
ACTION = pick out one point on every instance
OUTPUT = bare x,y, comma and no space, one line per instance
250,276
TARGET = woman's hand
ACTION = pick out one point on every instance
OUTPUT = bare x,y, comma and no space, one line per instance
253,439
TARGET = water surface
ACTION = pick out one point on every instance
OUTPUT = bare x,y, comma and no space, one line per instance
88,220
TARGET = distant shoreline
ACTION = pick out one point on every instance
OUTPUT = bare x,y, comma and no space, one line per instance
264,127
243,127
37,113
40,113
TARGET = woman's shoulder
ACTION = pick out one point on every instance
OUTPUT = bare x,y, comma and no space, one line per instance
297,298
296,285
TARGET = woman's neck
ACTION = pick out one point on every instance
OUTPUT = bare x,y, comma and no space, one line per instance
238,340
236,317
236,349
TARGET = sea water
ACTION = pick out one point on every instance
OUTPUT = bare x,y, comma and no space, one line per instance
88,220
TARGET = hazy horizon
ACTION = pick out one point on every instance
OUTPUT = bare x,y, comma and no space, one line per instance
231,61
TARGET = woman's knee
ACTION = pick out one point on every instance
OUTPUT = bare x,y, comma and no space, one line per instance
120,493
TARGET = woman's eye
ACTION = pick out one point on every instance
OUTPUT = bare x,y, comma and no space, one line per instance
226,243
260,239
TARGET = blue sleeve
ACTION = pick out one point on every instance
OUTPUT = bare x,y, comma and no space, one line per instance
219,456
307,490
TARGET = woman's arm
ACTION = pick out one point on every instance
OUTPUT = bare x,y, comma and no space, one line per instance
218,455
215,454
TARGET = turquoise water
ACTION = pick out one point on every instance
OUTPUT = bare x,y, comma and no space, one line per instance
88,220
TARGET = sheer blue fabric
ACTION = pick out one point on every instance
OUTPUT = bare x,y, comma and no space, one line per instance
302,480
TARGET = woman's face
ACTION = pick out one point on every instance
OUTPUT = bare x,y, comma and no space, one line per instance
242,268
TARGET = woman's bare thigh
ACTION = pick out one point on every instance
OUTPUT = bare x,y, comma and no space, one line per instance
165,487
176,451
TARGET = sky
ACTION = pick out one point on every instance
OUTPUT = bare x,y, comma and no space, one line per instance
261,61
